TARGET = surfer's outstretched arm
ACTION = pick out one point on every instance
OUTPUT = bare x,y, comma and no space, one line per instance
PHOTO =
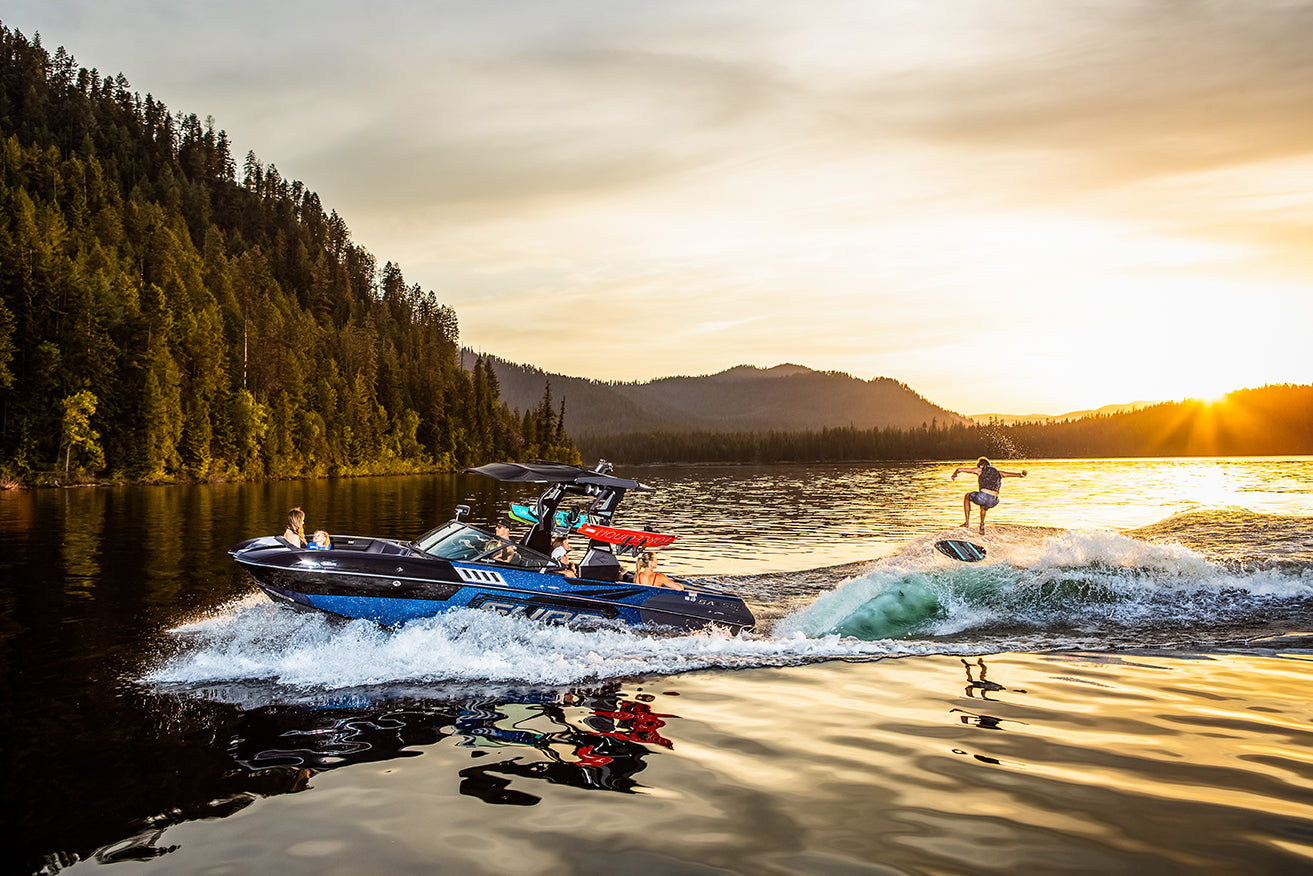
1013,474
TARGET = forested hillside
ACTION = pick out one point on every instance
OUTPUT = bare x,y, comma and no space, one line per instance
166,314
589,405
169,314
786,398
790,398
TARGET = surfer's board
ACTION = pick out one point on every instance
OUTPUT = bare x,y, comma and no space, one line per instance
960,550
627,539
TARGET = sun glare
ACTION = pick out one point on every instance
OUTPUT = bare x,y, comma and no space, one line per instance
1209,385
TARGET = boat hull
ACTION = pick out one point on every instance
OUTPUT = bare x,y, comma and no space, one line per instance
384,582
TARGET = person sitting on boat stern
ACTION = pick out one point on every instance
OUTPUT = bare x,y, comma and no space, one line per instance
295,532
645,573
989,479
561,555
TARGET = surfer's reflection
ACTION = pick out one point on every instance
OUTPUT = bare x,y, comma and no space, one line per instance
985,687
982,684
984,722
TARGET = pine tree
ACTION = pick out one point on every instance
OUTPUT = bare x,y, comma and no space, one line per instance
78,434
6,346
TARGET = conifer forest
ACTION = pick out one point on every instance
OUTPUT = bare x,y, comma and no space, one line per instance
170,313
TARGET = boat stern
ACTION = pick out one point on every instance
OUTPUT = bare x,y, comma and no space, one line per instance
692,609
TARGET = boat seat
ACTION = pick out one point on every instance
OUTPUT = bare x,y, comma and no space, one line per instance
599,564
353,543
383,546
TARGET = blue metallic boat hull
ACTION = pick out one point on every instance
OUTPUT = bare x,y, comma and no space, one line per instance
386,582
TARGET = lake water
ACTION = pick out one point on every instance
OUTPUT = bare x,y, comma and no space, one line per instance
1122,686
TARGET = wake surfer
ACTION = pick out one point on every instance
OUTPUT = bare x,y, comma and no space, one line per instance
986,495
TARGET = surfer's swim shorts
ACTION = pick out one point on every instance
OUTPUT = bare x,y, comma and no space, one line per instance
983,499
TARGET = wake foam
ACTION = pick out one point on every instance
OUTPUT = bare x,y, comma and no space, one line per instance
270,643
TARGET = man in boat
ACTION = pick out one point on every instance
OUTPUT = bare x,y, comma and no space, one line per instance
503,532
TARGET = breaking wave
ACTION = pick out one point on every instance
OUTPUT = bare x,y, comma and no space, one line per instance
1069,588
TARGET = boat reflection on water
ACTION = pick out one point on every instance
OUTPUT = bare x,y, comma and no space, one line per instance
602,751
595,739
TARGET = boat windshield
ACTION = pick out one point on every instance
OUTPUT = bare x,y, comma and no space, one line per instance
460,541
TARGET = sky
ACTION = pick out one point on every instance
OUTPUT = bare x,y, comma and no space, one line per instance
1013,206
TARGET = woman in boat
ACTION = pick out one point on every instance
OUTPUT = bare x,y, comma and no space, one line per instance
645,573
295,532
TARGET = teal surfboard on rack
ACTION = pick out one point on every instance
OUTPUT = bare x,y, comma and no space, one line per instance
526,514
960,550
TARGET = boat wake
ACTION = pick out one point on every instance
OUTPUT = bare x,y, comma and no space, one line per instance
1037,589
264,642
1044,588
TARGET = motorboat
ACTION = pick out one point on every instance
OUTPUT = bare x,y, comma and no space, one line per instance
460,565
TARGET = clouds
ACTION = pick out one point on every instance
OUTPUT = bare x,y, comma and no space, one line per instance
683,186
591,91
1153,93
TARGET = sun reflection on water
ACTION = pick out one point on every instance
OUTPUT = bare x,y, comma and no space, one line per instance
749,519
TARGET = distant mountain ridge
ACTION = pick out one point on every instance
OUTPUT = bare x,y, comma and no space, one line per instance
786,397
1010,419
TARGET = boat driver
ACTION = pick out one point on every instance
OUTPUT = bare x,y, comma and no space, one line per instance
503,533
